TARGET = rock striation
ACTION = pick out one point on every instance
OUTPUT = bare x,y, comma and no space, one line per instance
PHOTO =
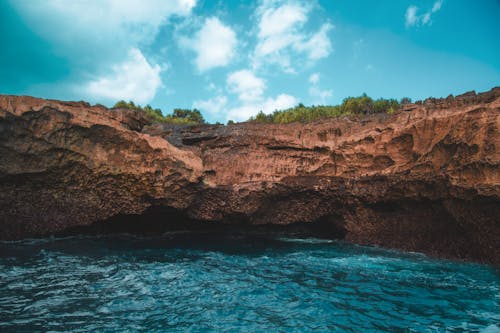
426,178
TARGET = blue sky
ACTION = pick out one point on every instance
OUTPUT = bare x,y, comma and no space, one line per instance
231,59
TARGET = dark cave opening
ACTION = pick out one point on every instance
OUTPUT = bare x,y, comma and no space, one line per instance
329,226
155,221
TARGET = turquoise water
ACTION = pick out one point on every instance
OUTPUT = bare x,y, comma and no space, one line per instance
213,283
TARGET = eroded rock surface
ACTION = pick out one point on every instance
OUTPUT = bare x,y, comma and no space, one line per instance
426,178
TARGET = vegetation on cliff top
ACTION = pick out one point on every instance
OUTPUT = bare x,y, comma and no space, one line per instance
178,116
350,106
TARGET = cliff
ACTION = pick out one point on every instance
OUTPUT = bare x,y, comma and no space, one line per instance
426,178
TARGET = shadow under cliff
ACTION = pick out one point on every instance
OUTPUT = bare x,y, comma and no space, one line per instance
439,229
155,221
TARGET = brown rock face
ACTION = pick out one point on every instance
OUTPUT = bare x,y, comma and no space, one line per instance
424,179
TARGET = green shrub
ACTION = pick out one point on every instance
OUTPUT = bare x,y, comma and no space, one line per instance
178,117
350,106
191,115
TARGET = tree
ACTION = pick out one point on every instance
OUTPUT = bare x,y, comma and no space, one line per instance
121,104
261,117
405,100
190,115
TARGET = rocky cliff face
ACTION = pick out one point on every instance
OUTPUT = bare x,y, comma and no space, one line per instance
424,179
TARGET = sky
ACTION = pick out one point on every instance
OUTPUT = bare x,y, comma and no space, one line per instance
231,59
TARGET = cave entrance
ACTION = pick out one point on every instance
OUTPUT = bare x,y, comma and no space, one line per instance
153,221
158,220
329,226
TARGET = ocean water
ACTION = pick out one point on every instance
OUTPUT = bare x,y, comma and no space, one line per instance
207,282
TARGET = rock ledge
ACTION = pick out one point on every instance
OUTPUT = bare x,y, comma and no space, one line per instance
426,178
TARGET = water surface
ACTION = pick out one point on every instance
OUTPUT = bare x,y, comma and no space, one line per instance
205,282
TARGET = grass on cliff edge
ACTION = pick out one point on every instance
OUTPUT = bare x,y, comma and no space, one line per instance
350,106
178,116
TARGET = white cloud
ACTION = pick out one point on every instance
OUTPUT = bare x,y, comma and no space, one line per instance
97,25
93,36
134,79
318,96
214,106
280,20
425,18
278,28
282,34
250,92
281,102
437,6
214,44
242,113
411,16
318,45
250,98
246,85
314,78
245,111
413,19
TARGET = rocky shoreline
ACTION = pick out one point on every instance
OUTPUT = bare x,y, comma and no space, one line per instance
426,178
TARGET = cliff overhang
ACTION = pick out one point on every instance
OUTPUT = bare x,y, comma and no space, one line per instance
426,178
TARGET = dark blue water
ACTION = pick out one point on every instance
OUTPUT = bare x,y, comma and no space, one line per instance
213,283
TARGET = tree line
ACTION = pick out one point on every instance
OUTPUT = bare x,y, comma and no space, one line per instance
360,105
178,116
350,106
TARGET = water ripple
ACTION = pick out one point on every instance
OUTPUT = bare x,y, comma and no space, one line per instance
206,282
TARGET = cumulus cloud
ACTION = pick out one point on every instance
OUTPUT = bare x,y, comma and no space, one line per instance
318,95
214,106
250,93
214,44
249,90
282,34
412,18
134,79
94,26
279,27
281,102
318,45
245,111
93,36
280,20
246,85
